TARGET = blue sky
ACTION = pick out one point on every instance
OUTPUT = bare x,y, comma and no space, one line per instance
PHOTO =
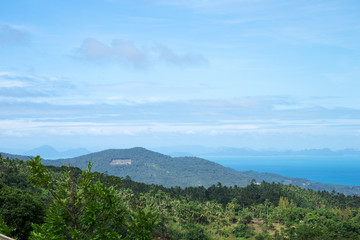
241,73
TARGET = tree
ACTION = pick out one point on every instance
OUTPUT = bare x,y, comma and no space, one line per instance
19,208
5,229
82,208
142,224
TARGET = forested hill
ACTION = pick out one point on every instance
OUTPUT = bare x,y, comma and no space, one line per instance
14,156
154,168
151,167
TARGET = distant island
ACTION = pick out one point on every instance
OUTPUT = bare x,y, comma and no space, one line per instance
201,151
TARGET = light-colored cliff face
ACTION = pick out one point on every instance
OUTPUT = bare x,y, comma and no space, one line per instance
120,162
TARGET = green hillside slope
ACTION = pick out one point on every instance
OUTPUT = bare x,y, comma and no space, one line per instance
154,168
303,182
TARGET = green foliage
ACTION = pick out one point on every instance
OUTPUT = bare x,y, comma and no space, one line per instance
81,204
242,231
195,231
13,173
39,176
305,231
143,224
82,208
5,229
20,208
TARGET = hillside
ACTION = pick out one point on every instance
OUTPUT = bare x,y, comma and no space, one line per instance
14,156
154,168
151,167
33,206
303,182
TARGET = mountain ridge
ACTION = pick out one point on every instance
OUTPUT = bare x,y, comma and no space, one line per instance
156,168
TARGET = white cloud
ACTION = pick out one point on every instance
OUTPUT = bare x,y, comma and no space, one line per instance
118,50
11,84
127,53
167,55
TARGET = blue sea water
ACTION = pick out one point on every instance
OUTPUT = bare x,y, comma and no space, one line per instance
337,170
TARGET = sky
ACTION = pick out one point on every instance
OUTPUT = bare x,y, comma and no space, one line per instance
98,74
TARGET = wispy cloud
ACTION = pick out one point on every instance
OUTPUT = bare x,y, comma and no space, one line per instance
13,35
127,53
121,51
233,122
169,56
116,128
291,22
206,5
30,85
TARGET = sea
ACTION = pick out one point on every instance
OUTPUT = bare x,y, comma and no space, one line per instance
336,170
